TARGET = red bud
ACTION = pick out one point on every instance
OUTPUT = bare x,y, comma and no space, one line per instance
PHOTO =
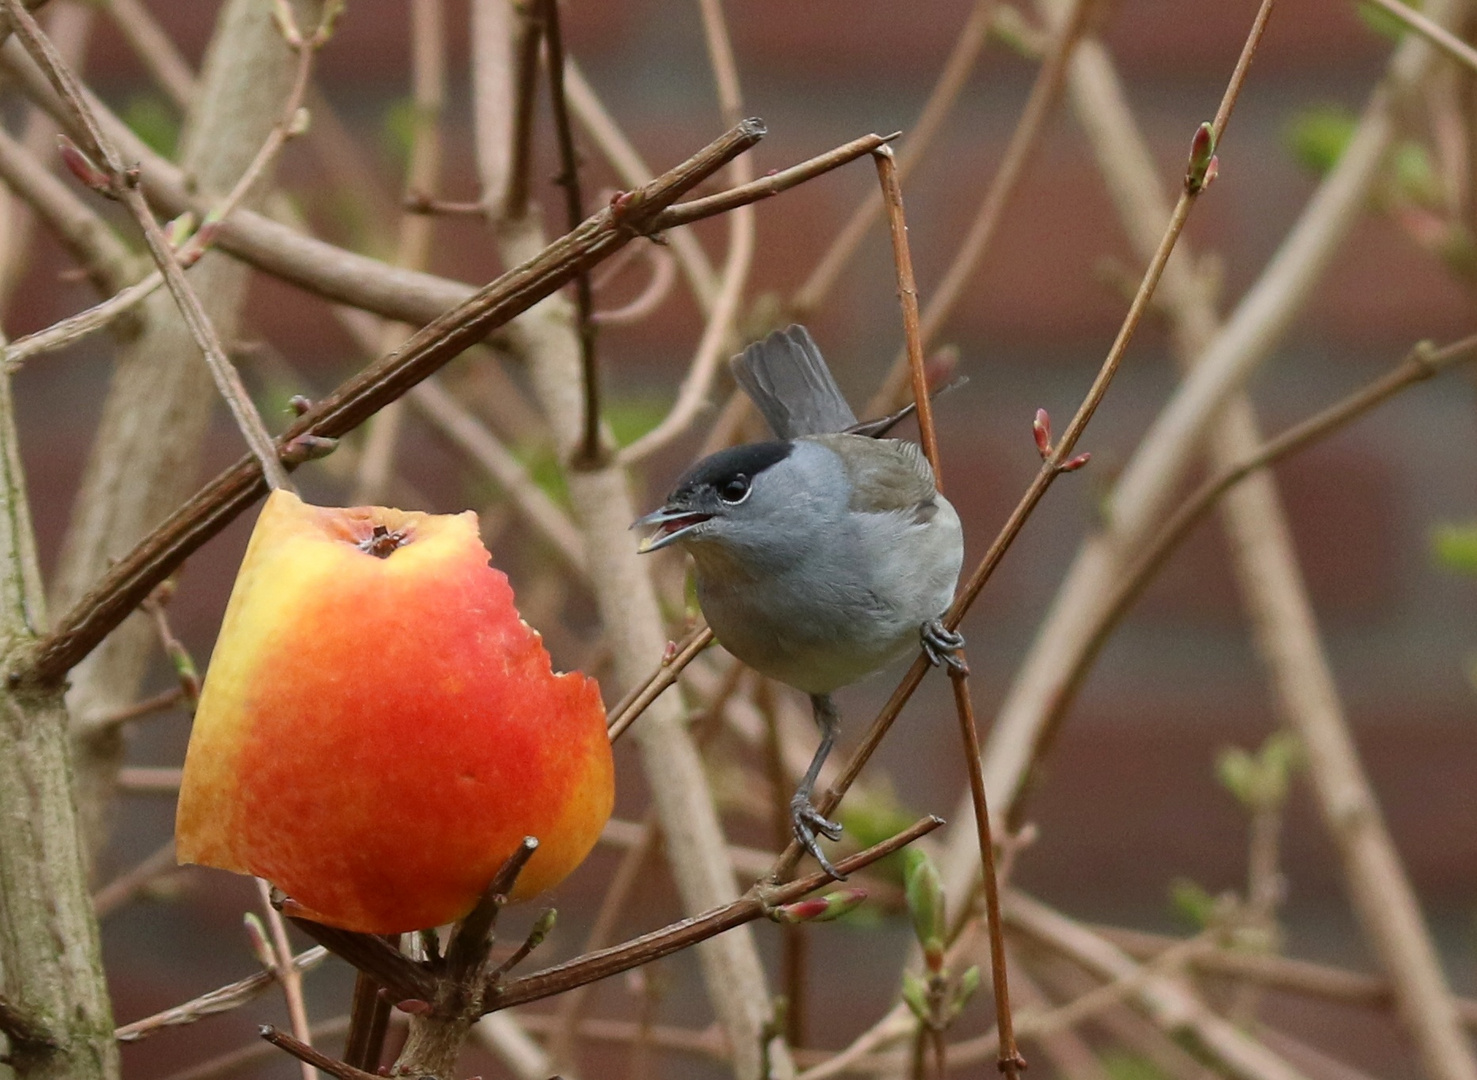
820,908
1202,153
81,166
1041,430
1076,463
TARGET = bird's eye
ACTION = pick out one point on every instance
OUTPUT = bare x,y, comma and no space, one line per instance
734,490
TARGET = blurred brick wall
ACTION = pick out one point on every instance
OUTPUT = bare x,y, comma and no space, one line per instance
1128,800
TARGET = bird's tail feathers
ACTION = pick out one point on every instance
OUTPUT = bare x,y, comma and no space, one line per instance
788,381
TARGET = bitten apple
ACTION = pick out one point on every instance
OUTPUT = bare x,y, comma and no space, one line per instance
379,729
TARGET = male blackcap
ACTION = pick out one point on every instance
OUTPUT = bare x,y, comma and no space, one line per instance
821,556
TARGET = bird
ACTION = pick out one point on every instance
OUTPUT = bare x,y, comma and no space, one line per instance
821,555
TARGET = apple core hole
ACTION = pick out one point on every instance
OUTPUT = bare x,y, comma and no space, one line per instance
382,543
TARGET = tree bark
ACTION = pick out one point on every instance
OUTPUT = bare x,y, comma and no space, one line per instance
50,955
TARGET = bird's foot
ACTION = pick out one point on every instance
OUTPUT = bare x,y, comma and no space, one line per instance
941,645
806,821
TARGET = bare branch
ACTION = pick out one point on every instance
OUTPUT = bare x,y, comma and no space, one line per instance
224,999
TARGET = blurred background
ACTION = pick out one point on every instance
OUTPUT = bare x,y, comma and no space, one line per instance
1128,803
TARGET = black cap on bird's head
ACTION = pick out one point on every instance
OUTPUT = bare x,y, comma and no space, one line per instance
709,489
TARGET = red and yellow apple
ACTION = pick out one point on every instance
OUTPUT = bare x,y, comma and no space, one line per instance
379,729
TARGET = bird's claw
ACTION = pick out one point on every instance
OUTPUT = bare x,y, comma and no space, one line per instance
806,821
941,645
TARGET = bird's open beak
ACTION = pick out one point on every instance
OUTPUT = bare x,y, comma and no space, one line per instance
672,523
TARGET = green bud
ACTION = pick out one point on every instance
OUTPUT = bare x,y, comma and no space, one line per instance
925,893
542,926
915,994
969,983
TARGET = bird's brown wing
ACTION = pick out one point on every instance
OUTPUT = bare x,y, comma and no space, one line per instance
887,475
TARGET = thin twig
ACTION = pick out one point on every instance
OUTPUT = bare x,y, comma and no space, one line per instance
664,942
472,937
141,779
718,331
663,275
685,213
907,290
591,449
224,999
1010,1060
1018,152
626,712
951,81
313,1059
128,884
287,973
1433,32
622,884
512,200
1420,364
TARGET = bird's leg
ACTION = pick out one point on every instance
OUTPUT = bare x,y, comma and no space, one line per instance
941,645
805,819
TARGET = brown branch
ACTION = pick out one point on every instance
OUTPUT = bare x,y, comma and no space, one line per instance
314,1058
590,449
639,697
688,932
369,1022
1010,1060
907,291
211,509
529,41
402,977
766,186
472,937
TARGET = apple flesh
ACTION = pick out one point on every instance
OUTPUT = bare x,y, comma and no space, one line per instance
379,729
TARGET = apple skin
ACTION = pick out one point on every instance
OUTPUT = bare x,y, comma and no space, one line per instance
376,735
